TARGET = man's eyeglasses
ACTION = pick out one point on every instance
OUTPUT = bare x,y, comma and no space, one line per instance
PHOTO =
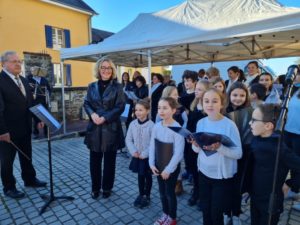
15,61
105,68
256,120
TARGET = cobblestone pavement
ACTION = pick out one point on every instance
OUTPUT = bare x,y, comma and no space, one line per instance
71,177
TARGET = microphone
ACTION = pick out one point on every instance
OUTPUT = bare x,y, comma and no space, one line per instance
291,74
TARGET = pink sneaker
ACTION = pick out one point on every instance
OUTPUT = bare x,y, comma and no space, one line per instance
162,220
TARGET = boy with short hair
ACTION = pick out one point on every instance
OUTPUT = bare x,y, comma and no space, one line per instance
190,79
262,161
257,94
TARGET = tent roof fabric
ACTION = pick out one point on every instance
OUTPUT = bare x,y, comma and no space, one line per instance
216,14
201,31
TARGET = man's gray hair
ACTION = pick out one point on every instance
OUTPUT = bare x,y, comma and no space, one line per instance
6,54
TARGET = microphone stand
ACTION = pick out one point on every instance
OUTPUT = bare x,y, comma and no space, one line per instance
50,198
279,129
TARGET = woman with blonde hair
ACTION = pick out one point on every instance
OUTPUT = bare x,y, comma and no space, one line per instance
104,103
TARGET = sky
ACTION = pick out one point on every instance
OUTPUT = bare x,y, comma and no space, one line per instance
114,15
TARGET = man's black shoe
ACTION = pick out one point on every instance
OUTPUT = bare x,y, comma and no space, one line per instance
36,183
14,193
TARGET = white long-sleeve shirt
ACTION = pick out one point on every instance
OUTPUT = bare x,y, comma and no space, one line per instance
165,134
222,164
138,137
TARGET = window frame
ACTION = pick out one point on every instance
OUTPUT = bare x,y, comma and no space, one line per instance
57,74
58,40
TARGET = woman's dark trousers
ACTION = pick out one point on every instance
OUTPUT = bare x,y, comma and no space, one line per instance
103,178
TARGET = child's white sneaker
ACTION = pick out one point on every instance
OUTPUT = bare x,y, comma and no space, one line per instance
161,220
236,220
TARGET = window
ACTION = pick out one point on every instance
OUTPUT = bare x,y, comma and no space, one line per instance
58,38
58,76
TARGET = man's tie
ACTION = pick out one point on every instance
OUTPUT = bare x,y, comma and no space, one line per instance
20,86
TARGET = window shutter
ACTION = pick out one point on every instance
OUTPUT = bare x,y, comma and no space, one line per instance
67,38
68,75
48,33
52,79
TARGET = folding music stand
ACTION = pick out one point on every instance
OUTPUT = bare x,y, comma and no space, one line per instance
52,124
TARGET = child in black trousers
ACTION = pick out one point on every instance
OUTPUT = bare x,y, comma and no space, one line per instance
261,165
137,142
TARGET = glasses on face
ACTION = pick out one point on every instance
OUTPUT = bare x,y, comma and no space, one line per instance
15,61
103,68
256,120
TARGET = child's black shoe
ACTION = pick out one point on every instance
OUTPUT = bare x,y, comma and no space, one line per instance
137,201
145,201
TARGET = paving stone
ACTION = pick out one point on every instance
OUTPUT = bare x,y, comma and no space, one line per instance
84,221
113,219
79,217
127,219
7,222
37,220
51,219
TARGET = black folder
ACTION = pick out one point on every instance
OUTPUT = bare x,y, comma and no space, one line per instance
205,138
163,154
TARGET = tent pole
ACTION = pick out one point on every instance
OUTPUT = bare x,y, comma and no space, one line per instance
149,70
63,95
118,73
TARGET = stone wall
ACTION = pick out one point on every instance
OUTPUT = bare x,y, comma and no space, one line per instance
39,59
74,97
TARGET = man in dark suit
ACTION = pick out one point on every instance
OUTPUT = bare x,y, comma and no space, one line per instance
40,89
15,125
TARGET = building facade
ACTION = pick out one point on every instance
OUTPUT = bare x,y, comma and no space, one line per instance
38,29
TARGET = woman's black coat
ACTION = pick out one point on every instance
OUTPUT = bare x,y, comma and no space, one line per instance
156,95
142,92
108,136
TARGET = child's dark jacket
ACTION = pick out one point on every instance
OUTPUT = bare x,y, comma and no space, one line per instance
258,177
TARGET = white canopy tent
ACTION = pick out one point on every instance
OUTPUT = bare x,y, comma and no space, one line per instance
200,31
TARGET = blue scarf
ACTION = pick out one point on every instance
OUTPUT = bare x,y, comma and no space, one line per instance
154,87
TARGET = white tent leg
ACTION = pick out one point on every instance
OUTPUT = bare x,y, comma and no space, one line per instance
149,69
63,95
